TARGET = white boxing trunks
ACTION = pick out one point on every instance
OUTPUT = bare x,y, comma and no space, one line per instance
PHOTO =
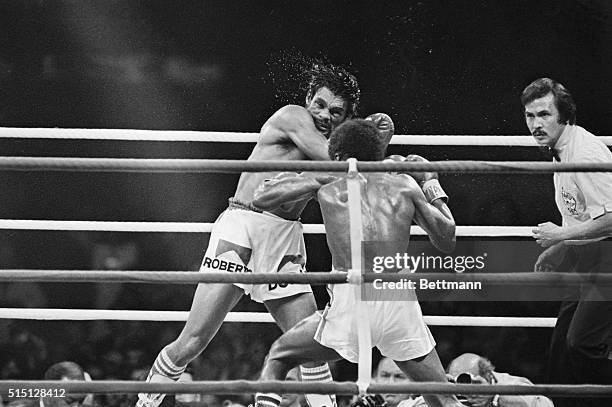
397,327
245,240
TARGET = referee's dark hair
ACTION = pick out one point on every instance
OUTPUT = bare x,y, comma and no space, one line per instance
563,99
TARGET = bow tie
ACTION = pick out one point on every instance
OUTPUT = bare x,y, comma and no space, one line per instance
554,154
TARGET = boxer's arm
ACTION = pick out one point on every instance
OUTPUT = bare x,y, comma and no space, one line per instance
436,219
288,187
294,123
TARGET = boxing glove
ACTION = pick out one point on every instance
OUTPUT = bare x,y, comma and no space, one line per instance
395,158
384,124
428,181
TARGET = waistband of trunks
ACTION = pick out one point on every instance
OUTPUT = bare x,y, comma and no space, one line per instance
238,204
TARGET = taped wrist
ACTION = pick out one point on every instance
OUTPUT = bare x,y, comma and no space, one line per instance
433,190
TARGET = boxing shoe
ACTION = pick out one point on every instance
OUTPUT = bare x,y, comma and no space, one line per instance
155,400
320,400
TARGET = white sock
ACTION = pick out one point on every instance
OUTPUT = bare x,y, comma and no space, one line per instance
164,366
267,400
320,374
163,370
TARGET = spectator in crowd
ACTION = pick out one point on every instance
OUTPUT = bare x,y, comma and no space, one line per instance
17,294
26,354
231,403
388,372
23,403
120,253
69,371
187,376
293,400
470,368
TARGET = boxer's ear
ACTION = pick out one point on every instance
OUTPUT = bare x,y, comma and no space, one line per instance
308,98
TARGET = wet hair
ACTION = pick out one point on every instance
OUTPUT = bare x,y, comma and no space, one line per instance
337,79
358,139
563,99
66,369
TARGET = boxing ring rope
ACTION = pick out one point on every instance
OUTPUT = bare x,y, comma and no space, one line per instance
237,137
230,166
291,387
313,277
63,314
196,227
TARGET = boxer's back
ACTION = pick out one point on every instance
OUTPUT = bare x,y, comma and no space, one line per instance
387,210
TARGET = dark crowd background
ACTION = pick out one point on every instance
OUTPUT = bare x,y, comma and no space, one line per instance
437,67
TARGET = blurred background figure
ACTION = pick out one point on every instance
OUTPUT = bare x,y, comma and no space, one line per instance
114,253
68,371
25,354
23,403
293,400
387,372
187,376
17,294
231,403
470,368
